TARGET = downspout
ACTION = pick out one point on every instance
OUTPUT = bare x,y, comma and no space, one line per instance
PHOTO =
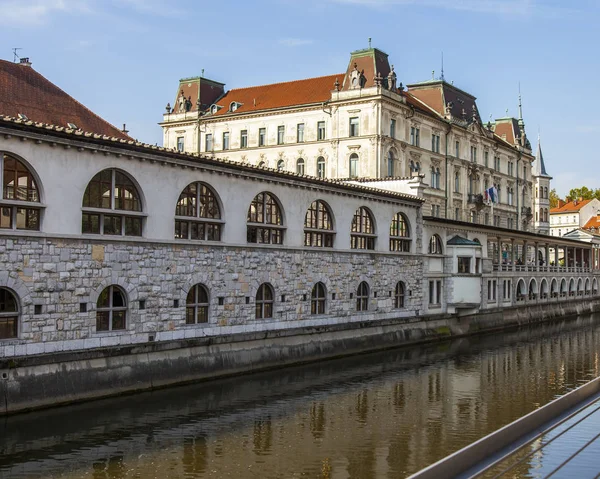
446,171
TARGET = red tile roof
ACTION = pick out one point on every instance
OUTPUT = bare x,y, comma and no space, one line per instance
25,91
593,222
570,207
279,95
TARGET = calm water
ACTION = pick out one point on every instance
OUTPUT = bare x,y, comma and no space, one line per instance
382,415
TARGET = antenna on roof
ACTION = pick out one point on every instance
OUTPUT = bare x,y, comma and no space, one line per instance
202,73
442,77
369,42
15,55
520,106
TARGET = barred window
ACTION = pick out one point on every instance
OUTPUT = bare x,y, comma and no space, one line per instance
399,294
196,305
114,192
435,245
317,299
111,309
399,234
264,301
19,195
265,221
318,225
363,230
362,297
197,214
9,315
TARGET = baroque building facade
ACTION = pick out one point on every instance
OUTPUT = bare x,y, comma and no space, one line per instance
362,125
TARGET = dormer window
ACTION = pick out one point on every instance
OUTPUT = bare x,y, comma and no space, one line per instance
215,108
233,106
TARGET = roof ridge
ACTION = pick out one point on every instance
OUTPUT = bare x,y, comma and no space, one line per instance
284,82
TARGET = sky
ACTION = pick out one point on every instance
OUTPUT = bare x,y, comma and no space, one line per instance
123,58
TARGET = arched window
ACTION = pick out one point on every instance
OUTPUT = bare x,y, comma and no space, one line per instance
264,301
317,299
318,225
9,314
114,192
261,164
363,230
265,221
198,201
390,164
196,305
19,190
399,234
399,294
362,297
111,309
320,167
353,165
435,245
280,165
300,166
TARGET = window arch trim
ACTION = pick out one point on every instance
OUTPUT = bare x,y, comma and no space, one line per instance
400,239
10,320
105,314
435,245
197,305
193,226
263,231
318,299
264,302
362,220
319,229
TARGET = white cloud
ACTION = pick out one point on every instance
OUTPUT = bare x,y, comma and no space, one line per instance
161,8
294,42
37,12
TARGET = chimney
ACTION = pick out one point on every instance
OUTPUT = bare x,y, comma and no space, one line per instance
25,62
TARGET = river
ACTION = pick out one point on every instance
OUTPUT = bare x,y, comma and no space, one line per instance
378,415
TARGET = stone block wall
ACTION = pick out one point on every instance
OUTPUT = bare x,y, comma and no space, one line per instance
58,281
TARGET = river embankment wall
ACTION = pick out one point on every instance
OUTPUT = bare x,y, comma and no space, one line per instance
44,380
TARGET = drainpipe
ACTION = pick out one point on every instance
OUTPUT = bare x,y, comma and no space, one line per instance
446,171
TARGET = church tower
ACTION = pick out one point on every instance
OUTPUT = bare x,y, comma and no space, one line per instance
541,199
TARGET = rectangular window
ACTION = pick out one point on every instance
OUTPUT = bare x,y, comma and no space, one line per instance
262,134
486,159
415,134
300,133
180,143
226,140
474,154
492,284
320,130
280,134
435,143
457,149
208,142
435,292
464,265
244,139
354,126
392,128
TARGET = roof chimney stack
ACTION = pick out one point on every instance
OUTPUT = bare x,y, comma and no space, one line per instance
25,61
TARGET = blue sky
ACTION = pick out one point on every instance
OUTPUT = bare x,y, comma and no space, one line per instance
123,58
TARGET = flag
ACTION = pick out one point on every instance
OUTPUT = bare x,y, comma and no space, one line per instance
491,195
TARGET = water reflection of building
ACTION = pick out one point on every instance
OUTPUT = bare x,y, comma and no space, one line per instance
384,416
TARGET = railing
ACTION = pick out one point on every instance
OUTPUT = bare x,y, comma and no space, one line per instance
532,268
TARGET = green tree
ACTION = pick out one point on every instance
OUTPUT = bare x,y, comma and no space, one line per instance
584,193
553,198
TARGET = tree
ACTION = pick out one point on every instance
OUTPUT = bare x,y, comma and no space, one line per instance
584,193
553,198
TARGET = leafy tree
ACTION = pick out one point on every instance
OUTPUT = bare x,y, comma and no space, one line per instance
584,193
553,198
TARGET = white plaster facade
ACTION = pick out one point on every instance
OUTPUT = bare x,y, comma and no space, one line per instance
572,216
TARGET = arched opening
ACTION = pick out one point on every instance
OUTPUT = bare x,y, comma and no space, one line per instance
321,167
280,165
521,291
571,287
196,305
532,292
579,287
554,288
19,185
390,164
300,166
318,298
265,220
197,214
111,309
115,193
400,233
587,286
353,167
563,288
9,314
544,289
399,295
318,225
594,286
362,234
435,245
264,301
362,297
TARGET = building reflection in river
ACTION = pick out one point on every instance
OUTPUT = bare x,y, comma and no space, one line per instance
378,415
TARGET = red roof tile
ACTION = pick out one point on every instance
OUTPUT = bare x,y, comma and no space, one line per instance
25,91
593,222
279,95
570,206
